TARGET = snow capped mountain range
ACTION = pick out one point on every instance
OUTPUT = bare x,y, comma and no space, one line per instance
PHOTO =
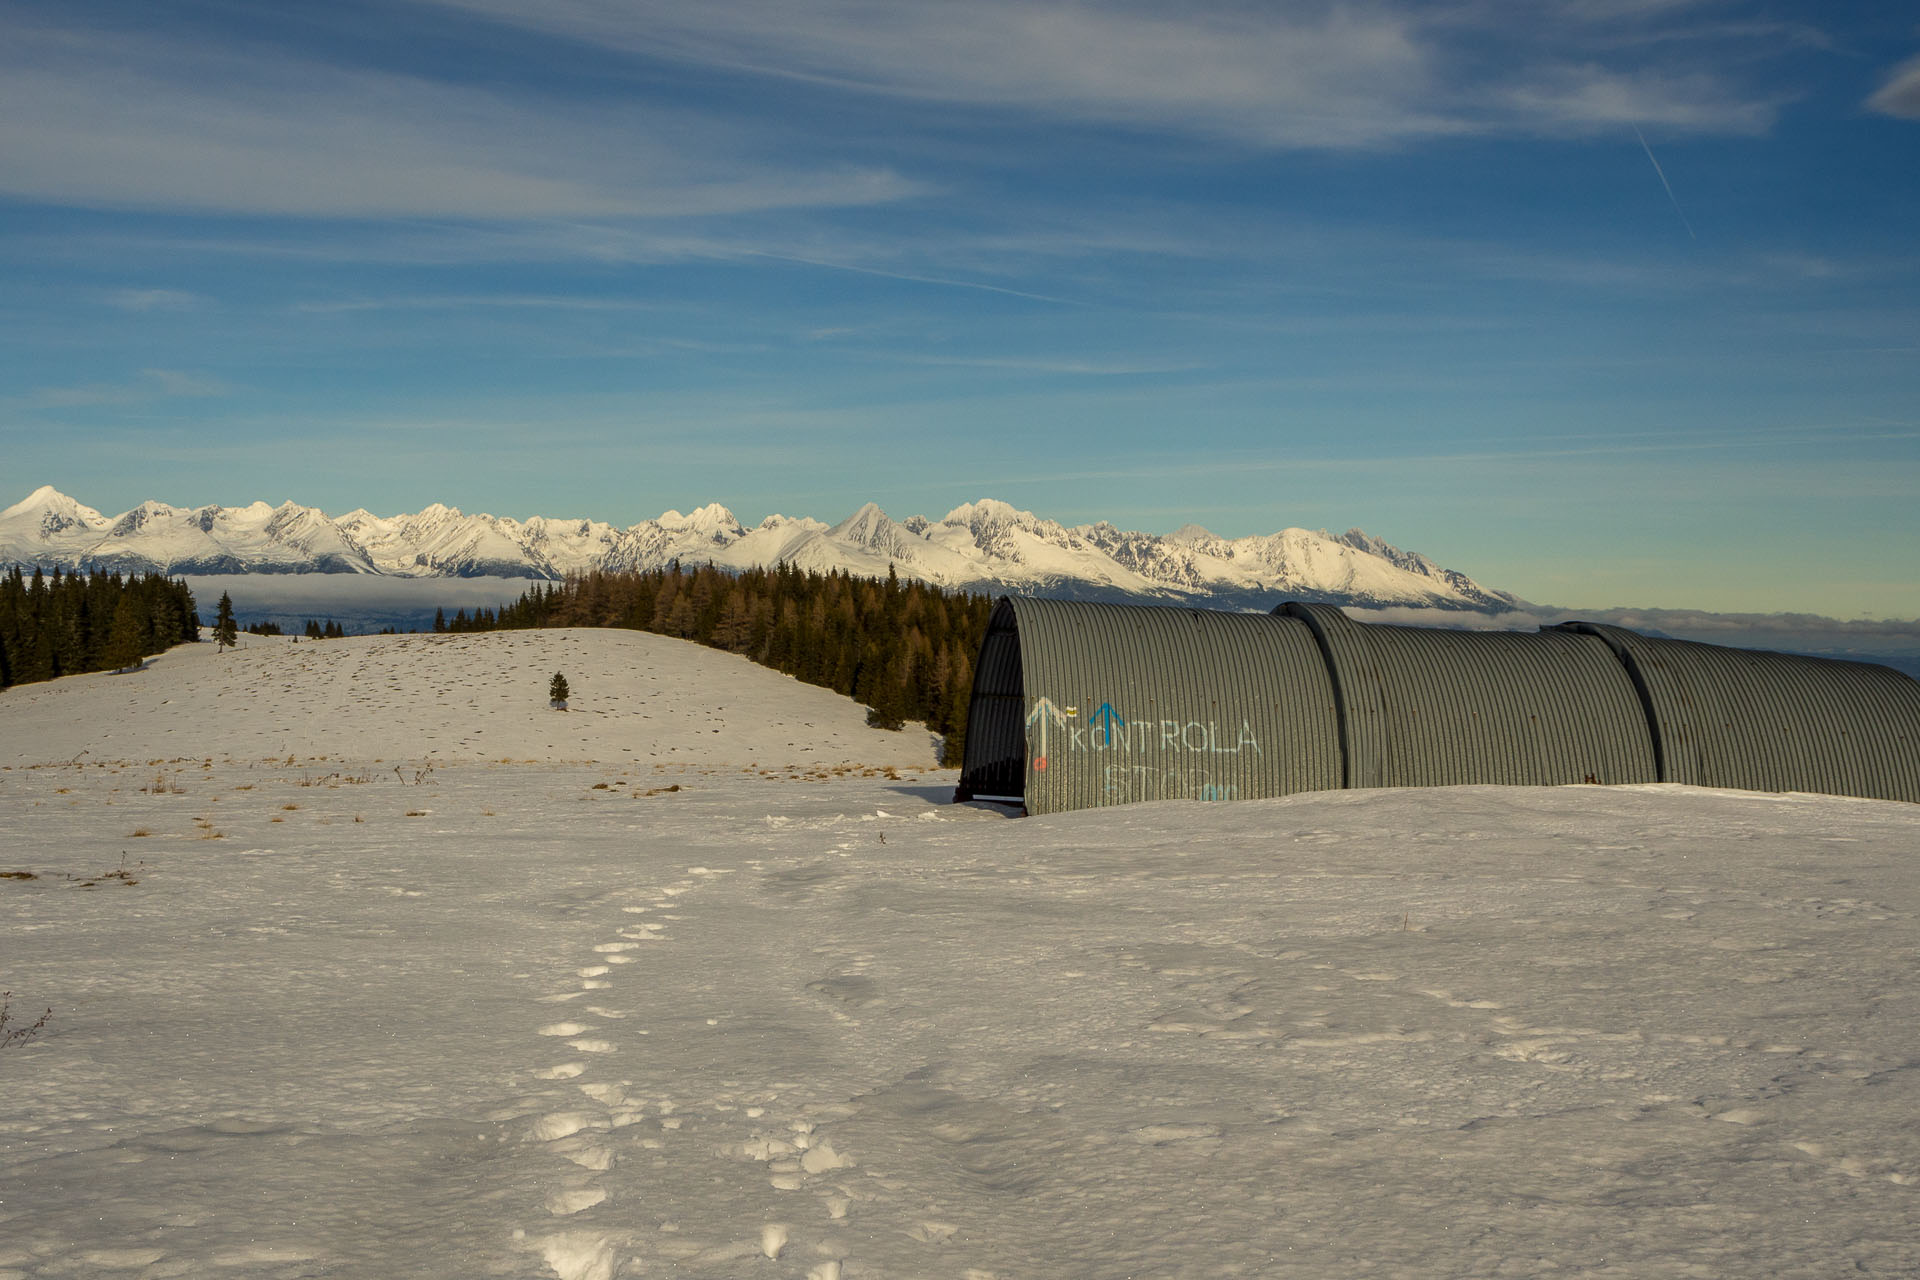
982,546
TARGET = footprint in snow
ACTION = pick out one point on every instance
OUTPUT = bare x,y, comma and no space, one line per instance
567,1201
564,1124
585,1152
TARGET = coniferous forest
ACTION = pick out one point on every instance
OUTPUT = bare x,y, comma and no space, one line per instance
905,649
63,624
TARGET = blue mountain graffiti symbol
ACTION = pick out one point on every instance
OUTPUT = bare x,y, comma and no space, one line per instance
1108,719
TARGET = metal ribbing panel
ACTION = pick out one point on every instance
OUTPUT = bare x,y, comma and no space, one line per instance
1510,708
1773,721
1358,694
1126,703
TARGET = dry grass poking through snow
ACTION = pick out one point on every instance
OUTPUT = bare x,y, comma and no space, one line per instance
12,1031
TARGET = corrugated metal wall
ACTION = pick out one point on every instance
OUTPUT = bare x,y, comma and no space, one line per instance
1125,703
1078,705
1509,708
1422,707
1772,721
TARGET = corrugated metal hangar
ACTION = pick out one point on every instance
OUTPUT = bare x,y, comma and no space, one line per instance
1078,704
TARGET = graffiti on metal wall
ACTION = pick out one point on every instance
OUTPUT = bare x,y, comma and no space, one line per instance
1054,731
1128,783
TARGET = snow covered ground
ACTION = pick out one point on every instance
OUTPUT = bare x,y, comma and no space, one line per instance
442,698
799,1017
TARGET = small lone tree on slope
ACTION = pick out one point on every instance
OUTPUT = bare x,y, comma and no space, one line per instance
557,692
226,632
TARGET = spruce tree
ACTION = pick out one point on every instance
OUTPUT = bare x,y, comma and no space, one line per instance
226,632
126,642
557,691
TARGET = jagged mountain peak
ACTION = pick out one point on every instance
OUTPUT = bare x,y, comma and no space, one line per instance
47,500
806,523
1193,533
988,512
862,522
712,518
871,529
144,514
44,498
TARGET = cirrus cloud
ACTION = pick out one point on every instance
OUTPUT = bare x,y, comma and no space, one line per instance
1286,74
130,122
1900,95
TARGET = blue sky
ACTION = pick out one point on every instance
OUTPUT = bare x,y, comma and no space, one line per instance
1605,302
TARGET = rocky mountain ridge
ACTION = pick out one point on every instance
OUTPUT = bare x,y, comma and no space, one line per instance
983,546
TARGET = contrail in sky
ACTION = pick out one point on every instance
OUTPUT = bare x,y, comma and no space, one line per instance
1662,174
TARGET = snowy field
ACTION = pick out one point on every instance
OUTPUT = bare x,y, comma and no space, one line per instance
366,963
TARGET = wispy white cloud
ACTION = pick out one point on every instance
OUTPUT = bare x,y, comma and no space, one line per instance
104,118
1589,98
1092,368
1292,73
152,299
1284,75
152,384
122,121
459,302
859,268
1900,95
172,382
1611,10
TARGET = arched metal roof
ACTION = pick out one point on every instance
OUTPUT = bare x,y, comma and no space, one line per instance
1763,721
1445,708
1080,704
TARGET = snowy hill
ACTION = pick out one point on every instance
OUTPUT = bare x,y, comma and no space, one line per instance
693,987
985,545
444,699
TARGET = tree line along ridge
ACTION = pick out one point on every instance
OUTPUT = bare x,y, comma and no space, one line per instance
64,624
